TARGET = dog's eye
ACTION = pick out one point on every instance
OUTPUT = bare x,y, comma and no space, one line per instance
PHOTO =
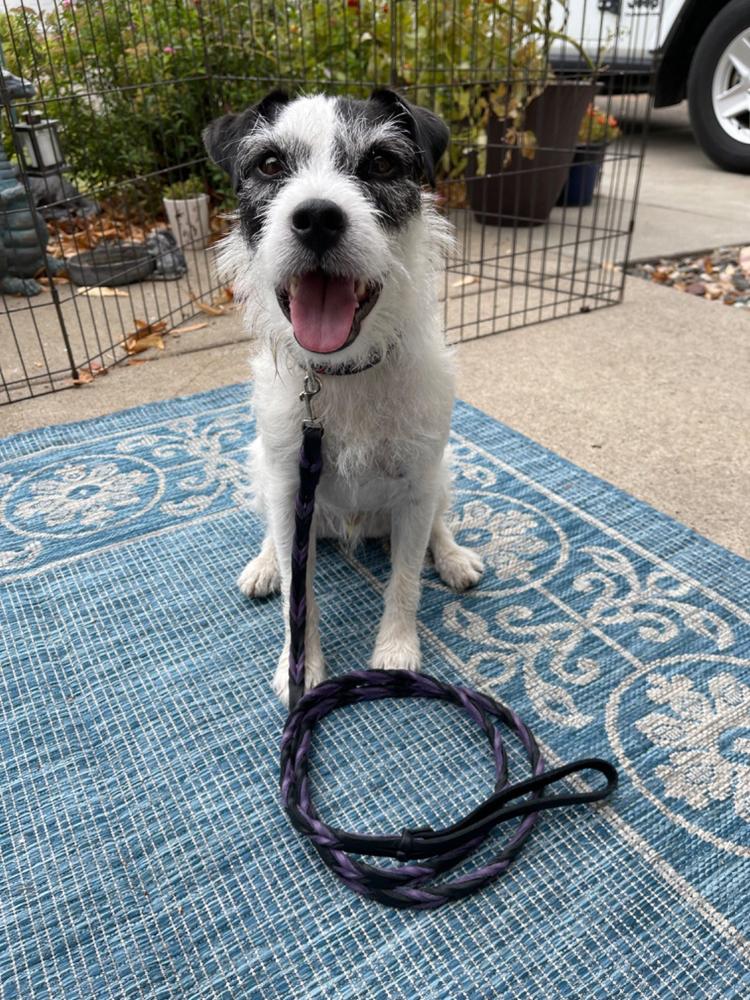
382,166
270,165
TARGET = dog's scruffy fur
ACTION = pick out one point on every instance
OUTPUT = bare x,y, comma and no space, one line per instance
386,471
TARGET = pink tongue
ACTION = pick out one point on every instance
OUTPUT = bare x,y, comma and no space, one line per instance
323,311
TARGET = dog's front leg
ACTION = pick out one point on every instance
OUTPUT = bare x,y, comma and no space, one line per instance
397,645
281,528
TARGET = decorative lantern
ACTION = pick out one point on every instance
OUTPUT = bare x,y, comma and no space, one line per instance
40,145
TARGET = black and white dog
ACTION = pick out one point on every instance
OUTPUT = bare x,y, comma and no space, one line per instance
334,258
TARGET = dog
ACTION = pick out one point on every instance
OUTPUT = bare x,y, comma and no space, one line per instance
335,255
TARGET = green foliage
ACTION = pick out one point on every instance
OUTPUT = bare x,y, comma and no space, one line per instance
134,84
193,187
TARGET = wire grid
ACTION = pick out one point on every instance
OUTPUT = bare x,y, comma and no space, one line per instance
201,59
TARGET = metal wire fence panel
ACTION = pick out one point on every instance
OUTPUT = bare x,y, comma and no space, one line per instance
542,193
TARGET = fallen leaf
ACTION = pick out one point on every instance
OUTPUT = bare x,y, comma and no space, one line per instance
468,279
144,329
188,329
136,361
209,309
134,345
83,377
102,292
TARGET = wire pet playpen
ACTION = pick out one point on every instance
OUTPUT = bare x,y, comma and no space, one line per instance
103,107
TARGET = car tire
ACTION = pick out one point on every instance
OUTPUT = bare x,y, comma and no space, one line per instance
722,131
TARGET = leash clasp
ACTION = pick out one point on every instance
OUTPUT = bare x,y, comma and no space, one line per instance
312,388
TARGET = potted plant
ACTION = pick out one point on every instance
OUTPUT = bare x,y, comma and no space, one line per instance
186,204
596,131
523,119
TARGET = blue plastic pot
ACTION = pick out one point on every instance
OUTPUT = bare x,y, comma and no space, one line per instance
583,176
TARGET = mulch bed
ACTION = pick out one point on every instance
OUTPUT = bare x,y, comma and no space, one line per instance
721,275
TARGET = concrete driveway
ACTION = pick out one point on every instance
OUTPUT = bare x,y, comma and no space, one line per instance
653,395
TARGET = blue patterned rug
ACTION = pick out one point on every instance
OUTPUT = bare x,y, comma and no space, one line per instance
142,849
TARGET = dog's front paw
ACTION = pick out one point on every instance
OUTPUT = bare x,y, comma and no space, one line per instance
459,568
397,652
261,577
315,672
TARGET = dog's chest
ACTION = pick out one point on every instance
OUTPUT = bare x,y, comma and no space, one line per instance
366,476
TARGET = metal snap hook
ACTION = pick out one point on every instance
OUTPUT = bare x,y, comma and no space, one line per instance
312,387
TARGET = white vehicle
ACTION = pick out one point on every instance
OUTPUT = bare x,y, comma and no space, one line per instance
702,53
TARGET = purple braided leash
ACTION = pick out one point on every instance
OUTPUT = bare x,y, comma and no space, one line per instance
423,854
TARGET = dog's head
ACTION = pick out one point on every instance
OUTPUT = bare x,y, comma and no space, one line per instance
329,192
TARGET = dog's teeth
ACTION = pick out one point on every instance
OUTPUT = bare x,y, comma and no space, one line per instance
361,289
293,286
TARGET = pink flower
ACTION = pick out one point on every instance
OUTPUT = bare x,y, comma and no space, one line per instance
168,49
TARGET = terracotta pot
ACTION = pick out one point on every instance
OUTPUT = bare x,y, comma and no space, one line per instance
188,220
522,192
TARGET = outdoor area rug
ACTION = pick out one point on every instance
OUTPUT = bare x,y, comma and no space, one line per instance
143,850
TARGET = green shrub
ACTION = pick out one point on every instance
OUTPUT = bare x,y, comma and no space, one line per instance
193,187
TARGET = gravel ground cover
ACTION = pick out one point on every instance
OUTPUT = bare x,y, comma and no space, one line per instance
721,275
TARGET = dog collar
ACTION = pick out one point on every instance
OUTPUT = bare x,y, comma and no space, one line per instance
353,367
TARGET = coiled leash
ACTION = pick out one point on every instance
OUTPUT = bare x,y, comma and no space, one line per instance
423,854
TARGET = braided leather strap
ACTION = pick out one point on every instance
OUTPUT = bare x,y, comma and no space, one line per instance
408,884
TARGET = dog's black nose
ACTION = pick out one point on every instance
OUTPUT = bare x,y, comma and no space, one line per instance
318,224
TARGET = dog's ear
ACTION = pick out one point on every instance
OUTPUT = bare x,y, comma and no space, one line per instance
429,132
224,135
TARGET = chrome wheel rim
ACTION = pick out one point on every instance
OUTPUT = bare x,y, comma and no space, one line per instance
730,90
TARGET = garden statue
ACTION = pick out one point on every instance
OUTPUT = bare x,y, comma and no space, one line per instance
23,233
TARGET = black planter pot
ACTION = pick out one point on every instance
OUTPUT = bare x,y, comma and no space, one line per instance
522,192
583,175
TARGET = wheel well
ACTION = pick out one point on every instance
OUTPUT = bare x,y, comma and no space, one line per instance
679,47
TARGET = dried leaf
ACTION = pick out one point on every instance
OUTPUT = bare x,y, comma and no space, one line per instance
136,361
189,329
102,292
134,345
145,329
527,142
84,377
209,309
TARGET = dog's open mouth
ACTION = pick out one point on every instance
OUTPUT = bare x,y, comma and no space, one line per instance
326,310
